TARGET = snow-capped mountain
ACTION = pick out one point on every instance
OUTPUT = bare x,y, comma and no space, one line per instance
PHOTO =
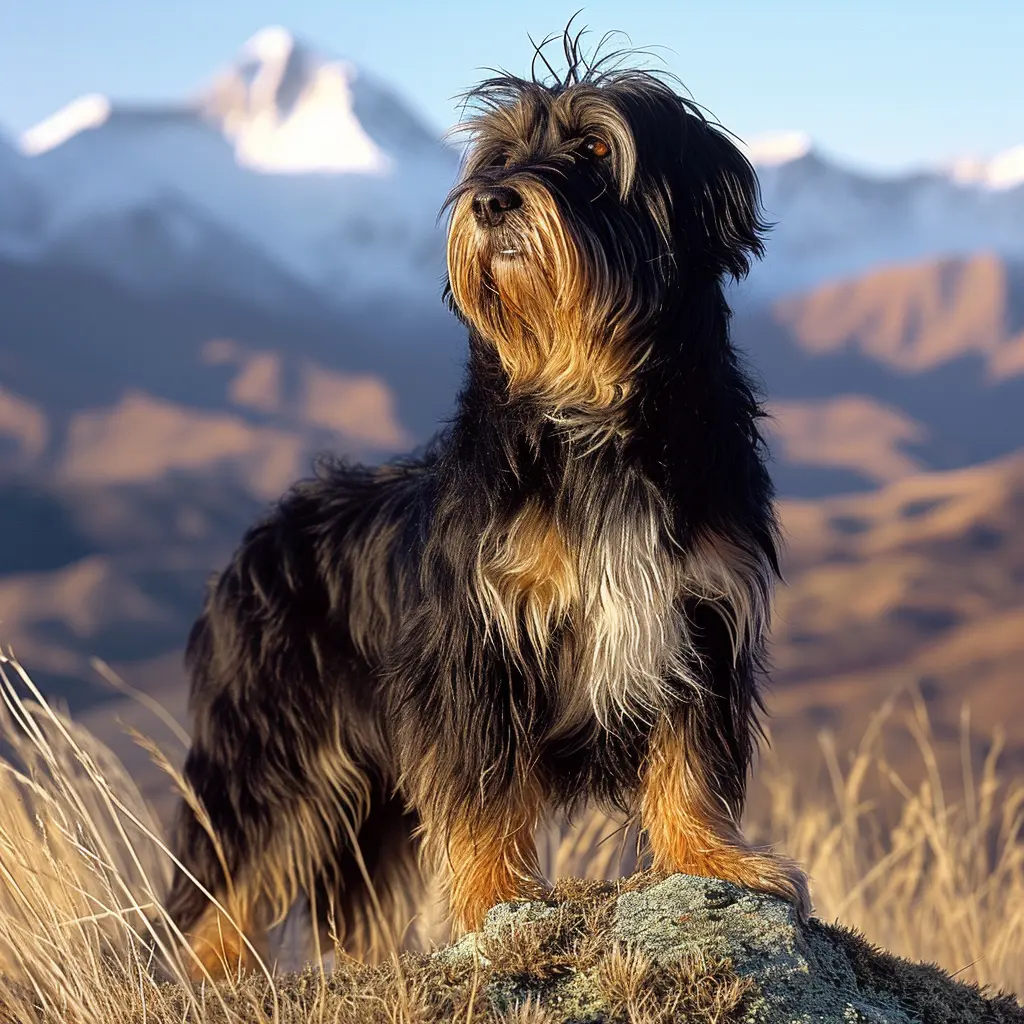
1003,171
833,222
291,168
288,110
307,160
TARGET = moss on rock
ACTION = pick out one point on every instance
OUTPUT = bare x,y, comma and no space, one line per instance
698,949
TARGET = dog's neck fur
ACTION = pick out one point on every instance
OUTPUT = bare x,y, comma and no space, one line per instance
686,420
594,534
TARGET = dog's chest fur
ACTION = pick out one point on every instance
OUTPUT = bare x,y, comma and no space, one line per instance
596,600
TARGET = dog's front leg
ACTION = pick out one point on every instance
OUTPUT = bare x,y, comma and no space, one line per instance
694,829
487,852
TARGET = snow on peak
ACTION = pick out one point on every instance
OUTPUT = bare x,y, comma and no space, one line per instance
1004,171
273,43
79,115
300,154
287,109
775,148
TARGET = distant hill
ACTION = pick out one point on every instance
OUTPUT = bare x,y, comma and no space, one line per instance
903,369
918,585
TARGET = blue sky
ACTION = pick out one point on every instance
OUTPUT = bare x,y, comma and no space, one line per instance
879,83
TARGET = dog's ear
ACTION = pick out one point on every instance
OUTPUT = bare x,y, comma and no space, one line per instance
723,223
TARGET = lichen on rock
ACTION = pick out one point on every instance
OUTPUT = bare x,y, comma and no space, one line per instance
649,949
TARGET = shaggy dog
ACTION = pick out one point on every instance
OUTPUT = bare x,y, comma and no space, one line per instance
564,600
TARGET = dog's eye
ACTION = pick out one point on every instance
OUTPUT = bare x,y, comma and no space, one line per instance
595,148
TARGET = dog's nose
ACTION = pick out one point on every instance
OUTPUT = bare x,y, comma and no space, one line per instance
491,204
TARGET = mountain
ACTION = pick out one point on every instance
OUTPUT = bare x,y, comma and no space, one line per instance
918,317
832,222
902,369
23,204
1003,171
74,342
290,110
140,433
918,585
288,159
295,160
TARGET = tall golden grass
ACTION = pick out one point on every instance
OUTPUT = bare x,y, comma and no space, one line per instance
83,867
927,875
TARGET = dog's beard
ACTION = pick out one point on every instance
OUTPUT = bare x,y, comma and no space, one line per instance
549,303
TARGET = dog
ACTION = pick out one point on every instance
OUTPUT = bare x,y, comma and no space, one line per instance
563,600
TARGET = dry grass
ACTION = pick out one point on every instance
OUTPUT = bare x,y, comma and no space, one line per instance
919,872
695,989
83,868
82,873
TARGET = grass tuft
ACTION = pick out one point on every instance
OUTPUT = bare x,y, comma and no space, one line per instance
694,989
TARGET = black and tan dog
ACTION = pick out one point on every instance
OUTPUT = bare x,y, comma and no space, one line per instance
564,600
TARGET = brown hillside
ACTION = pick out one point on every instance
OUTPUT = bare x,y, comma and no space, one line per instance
904,369
851,432
919,585
917,317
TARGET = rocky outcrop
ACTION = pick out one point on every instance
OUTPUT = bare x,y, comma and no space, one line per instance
696,949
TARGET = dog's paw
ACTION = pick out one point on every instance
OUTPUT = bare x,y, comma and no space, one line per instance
782,877
759,870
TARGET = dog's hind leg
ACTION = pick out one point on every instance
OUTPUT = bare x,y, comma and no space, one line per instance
212,899
280,747
255,841
369,889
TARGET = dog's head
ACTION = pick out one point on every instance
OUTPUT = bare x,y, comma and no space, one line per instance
587,206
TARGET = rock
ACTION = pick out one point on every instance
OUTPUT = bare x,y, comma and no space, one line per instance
697,949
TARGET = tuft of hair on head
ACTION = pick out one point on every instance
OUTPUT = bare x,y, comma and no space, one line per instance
597,67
